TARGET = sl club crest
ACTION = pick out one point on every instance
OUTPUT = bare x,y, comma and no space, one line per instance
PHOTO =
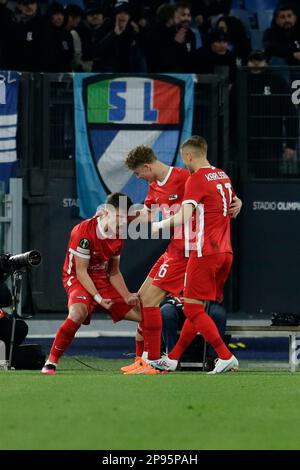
122,112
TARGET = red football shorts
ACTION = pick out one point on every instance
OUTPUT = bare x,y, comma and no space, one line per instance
168,272
206,276
77,293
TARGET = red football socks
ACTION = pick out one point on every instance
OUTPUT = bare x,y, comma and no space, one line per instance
188,333
139,343
63,339
139,348
152,331
207,328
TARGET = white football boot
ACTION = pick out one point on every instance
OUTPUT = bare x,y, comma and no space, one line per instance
165,363
223,365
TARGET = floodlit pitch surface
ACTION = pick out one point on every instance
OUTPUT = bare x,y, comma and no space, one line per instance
82,408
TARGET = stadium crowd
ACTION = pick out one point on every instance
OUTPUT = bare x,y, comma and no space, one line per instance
139,36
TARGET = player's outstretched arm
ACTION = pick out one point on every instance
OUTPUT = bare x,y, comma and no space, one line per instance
180,218
141,215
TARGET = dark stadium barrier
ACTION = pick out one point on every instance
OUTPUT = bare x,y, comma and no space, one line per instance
269,255
265,114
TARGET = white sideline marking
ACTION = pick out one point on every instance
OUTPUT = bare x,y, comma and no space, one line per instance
93,334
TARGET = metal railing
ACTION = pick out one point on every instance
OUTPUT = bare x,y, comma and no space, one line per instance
266,123
11,218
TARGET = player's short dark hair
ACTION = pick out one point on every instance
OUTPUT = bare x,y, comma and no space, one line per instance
139,156
197,142
118,200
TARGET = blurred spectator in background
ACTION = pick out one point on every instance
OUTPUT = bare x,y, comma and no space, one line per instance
92,30
206,12
238,41
73,17
119,50
169,43
215,56
145,10
58,42
272,121
27,37
160,47
106,6
294,4
282,41
184,35
7,20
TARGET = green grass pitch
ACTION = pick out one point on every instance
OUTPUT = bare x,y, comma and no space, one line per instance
81,408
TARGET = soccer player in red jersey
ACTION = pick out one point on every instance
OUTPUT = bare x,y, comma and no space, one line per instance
166,191
91,274
205,213
167,275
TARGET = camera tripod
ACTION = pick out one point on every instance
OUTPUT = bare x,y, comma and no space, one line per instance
16,285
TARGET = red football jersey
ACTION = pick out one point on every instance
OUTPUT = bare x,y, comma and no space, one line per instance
168,194
210,190
88,241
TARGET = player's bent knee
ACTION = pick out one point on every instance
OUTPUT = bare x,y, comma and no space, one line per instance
78,312
152,297
193,310
145,286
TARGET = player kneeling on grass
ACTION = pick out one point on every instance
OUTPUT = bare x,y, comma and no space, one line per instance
91,274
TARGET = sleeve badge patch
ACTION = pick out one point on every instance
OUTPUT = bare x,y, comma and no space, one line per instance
84,243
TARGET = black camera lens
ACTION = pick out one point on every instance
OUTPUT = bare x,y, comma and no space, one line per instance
9,264
30,258
34,258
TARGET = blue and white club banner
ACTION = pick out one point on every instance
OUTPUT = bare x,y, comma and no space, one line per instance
114,114
9,89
